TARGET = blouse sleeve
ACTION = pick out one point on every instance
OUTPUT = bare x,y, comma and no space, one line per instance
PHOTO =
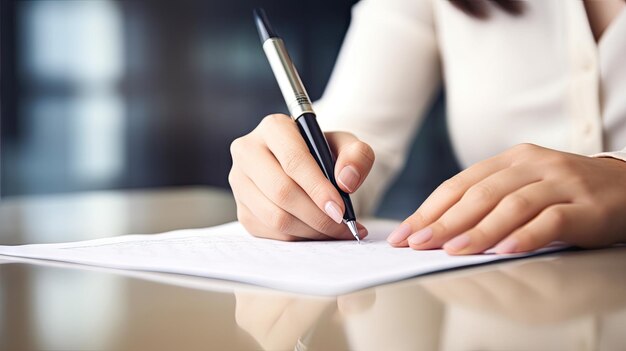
386,76
620,155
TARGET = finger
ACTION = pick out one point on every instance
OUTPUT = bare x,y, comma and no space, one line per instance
247,303
473,8
354,160
283,139
446,195
256,228
559,222
283,191
514,7
478,201
276,223
514,211
354,303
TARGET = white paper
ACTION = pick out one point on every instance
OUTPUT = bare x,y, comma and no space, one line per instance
229,252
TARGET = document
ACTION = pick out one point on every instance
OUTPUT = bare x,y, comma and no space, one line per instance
228,252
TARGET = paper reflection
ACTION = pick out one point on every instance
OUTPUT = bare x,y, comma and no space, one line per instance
574,301
89,320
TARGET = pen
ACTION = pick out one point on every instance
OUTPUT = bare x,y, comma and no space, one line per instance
301,109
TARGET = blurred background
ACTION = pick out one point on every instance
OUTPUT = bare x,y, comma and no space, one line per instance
100,94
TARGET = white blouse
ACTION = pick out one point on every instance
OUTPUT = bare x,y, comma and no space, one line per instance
535,78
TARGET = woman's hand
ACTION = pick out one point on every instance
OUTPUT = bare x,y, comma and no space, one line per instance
526,291
277,321
281,192
522,200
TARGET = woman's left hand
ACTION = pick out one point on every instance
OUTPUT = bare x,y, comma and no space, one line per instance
521,200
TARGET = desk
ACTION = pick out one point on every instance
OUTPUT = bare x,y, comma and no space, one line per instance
569,301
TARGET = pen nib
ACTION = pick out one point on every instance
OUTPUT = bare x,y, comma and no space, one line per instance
355,232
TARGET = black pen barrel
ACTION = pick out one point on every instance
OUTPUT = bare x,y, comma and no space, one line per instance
265,29
300,108
319,148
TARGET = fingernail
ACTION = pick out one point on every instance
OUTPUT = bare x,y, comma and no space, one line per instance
421,236
399,234
458,243
506,246
333,211
349,177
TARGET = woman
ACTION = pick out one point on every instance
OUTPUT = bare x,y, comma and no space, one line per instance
536,95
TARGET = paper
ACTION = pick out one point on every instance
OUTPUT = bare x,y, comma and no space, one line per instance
229,252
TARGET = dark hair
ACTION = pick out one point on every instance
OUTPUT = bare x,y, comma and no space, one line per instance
480,8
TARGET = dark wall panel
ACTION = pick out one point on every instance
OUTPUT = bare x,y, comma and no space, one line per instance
131,94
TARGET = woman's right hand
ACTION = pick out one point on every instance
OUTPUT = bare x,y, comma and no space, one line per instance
281,192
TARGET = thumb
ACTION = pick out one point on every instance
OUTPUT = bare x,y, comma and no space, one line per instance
354,160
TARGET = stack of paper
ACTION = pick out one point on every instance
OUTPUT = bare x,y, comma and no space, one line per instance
229,252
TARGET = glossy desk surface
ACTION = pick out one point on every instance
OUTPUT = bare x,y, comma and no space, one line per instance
568,301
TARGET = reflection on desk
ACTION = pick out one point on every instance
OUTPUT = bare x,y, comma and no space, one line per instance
565,301
575,300
572,302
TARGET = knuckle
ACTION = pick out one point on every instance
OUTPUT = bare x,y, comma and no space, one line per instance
236,147
479,235
521,153
281,222
364,150
581,185
442,226
231,178
561,162
480,192
525,148
516,203
317,191
534,238
283,189
293,160
271,120
325,225
420,218
557,218
453,185
528,237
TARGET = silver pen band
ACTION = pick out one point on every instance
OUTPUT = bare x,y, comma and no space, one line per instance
291,86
